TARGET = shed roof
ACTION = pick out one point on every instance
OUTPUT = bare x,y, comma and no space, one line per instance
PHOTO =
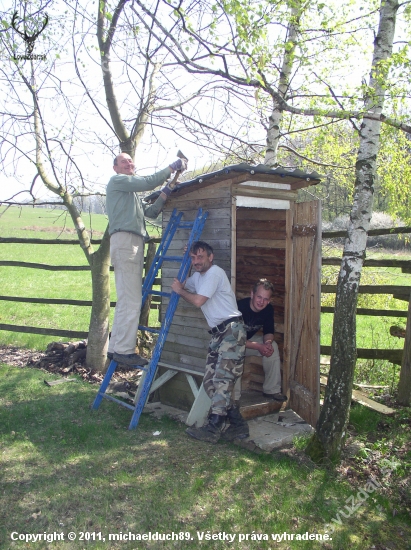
274,175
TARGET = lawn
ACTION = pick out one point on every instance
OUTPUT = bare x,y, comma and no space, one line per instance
41,223
67,469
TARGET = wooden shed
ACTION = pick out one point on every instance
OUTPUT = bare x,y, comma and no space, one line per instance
257,229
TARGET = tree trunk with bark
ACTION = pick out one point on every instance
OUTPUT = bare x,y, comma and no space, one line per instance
404,386
100,310
327,442
276,117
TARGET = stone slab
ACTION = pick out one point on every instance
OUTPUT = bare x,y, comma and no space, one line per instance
266,432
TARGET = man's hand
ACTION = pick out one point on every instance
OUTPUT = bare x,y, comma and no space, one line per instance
196,300
180,165
177,287
266,349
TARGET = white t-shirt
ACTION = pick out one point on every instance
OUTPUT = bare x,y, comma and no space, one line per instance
214,284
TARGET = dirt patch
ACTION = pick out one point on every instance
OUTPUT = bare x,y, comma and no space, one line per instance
64,359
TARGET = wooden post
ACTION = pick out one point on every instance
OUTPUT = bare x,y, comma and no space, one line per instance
404,386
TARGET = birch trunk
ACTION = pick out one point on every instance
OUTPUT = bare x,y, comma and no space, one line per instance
328,440
276,117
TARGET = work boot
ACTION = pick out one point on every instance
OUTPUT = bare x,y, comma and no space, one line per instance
210,432
131,359
276,396
238,428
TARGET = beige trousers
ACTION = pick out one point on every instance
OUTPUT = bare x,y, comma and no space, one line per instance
271,367
127,258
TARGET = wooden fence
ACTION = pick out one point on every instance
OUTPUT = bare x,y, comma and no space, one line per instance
399,292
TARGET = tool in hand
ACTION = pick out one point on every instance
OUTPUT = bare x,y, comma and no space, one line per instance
173,182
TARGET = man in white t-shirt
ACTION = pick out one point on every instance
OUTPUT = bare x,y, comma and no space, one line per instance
210,289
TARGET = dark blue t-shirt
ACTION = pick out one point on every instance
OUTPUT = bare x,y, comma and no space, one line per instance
256,320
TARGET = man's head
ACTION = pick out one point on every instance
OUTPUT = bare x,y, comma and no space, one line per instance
261,294
123,164
201,254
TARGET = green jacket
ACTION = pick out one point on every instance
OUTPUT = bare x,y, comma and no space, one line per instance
124,207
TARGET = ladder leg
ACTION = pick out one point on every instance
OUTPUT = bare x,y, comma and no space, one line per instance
104,385
143,394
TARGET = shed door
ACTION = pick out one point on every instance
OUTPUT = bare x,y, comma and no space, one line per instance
302,365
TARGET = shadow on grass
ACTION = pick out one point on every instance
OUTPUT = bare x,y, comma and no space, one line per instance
67,468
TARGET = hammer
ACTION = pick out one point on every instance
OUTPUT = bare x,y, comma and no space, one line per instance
173,182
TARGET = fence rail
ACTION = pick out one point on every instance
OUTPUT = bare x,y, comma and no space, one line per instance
400,292
62,301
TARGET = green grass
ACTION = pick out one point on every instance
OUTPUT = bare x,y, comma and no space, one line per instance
37,283
372,332
65,469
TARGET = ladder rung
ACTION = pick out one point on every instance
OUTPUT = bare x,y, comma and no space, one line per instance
173,258
123,403
158,293
149,329
188,225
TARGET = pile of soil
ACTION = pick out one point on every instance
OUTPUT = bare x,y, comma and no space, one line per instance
64,359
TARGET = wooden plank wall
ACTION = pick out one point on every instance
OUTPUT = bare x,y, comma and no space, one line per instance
188,338
303,332
261,248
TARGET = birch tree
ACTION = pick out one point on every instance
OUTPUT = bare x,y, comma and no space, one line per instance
332,423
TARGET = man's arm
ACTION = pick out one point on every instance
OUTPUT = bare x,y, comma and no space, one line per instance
139,183
196,300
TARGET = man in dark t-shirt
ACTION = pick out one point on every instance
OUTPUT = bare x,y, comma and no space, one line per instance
258,314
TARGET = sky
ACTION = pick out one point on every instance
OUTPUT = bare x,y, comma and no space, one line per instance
95,160
93,155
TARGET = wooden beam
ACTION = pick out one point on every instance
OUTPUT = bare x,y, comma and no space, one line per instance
4,240
397,290
360,397
259,409
5,263
261,243
404,386
392,355
404,264
266,192
371,312
45,331
370,233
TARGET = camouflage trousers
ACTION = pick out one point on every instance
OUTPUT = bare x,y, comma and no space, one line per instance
225,363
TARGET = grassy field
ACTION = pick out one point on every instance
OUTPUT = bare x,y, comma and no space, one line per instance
65,469
372,332
36,283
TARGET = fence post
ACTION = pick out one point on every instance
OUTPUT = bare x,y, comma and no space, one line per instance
404,386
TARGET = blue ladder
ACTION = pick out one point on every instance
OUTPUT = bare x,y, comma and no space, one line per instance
161,255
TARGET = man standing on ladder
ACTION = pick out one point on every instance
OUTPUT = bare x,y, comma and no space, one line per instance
210,289
127,234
